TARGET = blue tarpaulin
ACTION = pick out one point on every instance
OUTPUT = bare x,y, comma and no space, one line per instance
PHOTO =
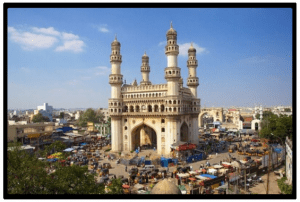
147,162
164,163
278,150
175,161
82,144
208,175
52,160
64,129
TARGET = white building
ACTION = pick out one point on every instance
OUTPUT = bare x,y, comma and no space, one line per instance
289,160
45,110
156,115
105,113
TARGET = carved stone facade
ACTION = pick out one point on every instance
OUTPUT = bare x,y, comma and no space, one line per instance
156,115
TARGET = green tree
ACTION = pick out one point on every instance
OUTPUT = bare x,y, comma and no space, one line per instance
40,118
280,126
57,146
89,116
61,115
287,109
27,175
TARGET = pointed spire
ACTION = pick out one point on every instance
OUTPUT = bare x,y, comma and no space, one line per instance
145,54
171,25
115,37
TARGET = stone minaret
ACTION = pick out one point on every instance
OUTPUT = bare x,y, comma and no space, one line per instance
115,103
172,72
192,63
145,69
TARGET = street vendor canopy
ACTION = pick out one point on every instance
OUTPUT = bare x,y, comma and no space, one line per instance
68,150
207,175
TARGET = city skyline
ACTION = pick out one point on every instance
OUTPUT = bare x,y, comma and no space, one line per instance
244,55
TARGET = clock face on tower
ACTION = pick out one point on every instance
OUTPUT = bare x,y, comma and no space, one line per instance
143,107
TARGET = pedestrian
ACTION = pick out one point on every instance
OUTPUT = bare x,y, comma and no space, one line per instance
191,168
154,148
125,168
172,174
163,175
115,176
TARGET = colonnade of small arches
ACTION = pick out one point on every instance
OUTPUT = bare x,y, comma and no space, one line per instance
192,80
172,72
169,48
194,62
113,57
116,78
144,95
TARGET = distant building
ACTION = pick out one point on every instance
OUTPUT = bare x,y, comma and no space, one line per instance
45,110
103,128
77,115
105,113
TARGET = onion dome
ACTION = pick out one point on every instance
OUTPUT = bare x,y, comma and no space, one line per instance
165,187
181,80
145,55
115,42
171,31
192,49
134,83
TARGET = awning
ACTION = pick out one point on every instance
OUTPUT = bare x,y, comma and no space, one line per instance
183,175
218,166
210,176
34,135
193,172
125,186
68,150
192,179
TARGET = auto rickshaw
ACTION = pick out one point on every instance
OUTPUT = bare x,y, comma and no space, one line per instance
104,172
153,175
133,171
260,153
249,153
106,165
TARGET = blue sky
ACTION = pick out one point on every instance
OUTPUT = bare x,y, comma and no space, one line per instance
61,56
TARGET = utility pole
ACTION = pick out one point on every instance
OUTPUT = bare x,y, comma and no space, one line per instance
269,163
245,179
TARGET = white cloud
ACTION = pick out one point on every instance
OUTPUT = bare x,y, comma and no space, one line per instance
183,49
74,45
69,36
162,43
103,29
24,69
86,78
101,70
73,82
50,31
42,38
30,41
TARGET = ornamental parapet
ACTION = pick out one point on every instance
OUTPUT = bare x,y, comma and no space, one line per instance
172,49
115,79
115,58
192,63
172,73
192,81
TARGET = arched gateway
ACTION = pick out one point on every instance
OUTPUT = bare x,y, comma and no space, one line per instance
143,136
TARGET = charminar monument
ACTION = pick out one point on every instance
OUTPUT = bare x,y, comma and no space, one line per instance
157,115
